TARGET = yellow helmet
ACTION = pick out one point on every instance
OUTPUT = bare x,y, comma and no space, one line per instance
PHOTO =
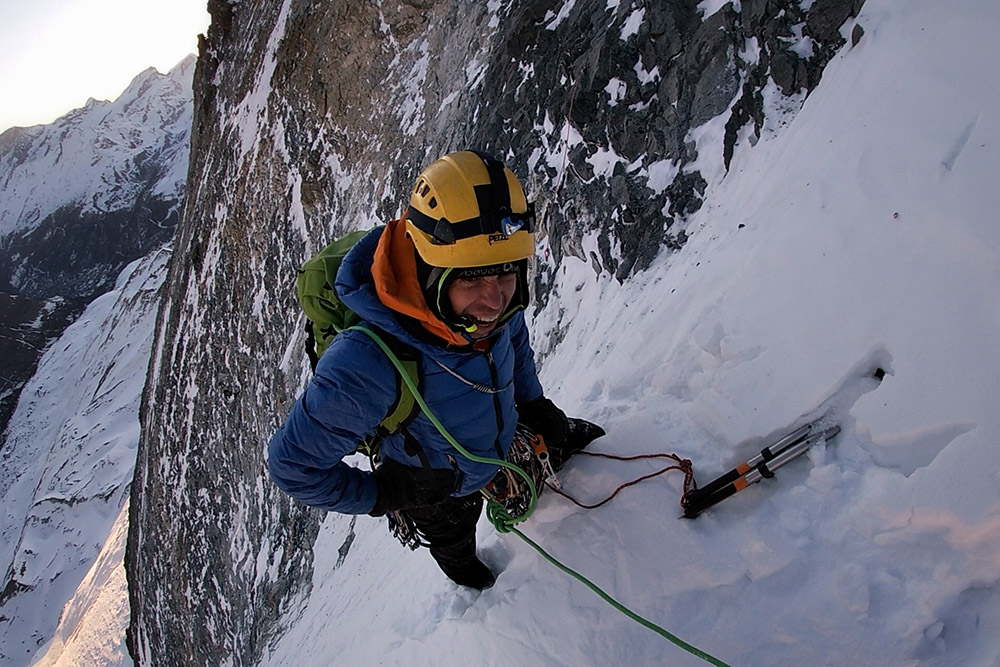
467,210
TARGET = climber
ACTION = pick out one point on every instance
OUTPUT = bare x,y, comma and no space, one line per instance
449,280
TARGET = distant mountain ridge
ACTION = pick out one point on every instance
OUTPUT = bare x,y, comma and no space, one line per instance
96,189
80,199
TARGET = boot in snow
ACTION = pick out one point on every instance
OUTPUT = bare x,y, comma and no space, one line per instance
460,563
472,574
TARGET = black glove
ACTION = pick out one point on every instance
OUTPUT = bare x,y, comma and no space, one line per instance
400,487
543,417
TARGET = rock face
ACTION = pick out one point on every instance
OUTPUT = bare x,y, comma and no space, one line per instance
83,197
313,118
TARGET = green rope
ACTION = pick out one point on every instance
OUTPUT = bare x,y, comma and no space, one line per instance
505,523
496,513
620,607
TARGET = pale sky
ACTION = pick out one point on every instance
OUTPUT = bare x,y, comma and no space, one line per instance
54,54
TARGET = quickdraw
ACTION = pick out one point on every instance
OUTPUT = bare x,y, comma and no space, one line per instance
530,453
403,529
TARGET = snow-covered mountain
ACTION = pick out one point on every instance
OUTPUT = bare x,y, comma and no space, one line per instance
94,186
66,468
81,198
854,228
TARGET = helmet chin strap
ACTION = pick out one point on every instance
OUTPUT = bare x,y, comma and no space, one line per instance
460,322
466,324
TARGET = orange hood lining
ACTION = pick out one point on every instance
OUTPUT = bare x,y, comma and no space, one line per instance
394,271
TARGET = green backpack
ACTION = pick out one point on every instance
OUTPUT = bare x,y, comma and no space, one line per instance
326,316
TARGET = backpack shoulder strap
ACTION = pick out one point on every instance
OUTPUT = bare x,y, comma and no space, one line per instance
405,408
314,286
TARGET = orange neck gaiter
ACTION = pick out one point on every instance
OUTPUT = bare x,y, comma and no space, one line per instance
395,273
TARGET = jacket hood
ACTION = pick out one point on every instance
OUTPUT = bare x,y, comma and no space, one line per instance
378,279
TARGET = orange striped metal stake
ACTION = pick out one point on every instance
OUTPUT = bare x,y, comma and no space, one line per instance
759,467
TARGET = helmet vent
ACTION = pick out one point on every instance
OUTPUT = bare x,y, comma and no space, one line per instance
433,202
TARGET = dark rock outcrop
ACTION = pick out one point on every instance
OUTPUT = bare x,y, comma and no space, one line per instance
27,326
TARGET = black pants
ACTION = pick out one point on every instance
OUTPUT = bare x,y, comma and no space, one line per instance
449,527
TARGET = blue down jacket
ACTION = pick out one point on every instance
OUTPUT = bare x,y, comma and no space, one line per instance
355,385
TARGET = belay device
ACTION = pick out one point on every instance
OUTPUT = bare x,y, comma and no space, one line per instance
759,467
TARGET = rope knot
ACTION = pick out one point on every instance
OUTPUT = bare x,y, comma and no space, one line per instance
501,519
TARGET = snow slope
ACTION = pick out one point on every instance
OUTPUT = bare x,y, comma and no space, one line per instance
64,478
863,234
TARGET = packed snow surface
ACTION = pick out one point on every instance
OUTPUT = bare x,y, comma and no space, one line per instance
861,235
